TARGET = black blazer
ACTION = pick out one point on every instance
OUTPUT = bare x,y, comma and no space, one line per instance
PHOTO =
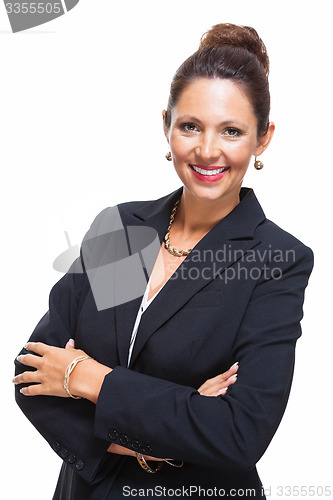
237,297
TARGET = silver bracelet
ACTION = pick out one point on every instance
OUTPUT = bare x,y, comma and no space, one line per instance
69,370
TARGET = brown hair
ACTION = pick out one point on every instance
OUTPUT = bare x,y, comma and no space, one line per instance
230,52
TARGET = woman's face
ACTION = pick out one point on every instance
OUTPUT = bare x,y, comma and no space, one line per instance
212,138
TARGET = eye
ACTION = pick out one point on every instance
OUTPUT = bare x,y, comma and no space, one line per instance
232,132
188,127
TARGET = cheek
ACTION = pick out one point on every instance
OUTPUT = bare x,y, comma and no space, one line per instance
180,147
238,155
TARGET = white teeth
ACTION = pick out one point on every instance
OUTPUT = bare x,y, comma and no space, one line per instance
208,172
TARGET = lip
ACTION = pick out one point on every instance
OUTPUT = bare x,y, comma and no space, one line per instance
208,178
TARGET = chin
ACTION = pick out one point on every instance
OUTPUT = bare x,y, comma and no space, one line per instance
211,194
204,194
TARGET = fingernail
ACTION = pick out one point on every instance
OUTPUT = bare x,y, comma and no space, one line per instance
71,342
235,364
233,377
222,391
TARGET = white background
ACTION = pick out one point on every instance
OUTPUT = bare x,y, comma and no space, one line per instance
80,129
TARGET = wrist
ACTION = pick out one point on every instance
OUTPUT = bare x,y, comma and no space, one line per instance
87,379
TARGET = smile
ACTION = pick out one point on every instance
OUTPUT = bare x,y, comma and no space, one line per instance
209,174
211,171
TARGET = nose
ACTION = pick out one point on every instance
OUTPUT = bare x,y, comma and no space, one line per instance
209,147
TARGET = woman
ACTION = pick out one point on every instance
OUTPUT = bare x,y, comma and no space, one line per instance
226,288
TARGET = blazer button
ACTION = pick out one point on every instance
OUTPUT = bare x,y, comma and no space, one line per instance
56,446
135,445
146,449
113,434
79,466
123,439
72,459
63,453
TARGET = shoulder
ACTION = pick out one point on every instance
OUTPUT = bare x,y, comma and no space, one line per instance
272,234
252,222
127,206
283,248
110,218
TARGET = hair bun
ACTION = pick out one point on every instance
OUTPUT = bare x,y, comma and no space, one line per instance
237,36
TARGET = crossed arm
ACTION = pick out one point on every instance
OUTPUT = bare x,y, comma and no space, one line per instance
87,378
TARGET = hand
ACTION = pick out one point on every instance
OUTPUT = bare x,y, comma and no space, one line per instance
51,364
121,450
50,368
218,385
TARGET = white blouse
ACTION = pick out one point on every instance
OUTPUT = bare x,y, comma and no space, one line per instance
144,304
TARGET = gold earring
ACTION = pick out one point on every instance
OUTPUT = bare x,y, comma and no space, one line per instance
258,165
168,156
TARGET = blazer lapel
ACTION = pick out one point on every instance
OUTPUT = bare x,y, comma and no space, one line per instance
155,215
231,239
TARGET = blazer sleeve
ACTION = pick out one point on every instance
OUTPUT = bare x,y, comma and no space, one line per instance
67,424
228,432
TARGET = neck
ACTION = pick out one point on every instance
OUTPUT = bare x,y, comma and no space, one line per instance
196,216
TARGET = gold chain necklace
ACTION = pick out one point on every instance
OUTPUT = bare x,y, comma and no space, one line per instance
172,250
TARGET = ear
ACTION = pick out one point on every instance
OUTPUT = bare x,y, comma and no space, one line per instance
164,127
265,140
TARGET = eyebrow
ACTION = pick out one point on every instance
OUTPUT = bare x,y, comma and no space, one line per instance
221,124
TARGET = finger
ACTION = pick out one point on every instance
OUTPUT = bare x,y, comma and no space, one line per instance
211,385
26,378
227,383
70,344
232,370
221,381
210,390
32,390
29,360
223,390
37,347
218,386
223,377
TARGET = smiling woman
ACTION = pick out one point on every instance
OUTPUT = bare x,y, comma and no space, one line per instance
212,135
182,387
